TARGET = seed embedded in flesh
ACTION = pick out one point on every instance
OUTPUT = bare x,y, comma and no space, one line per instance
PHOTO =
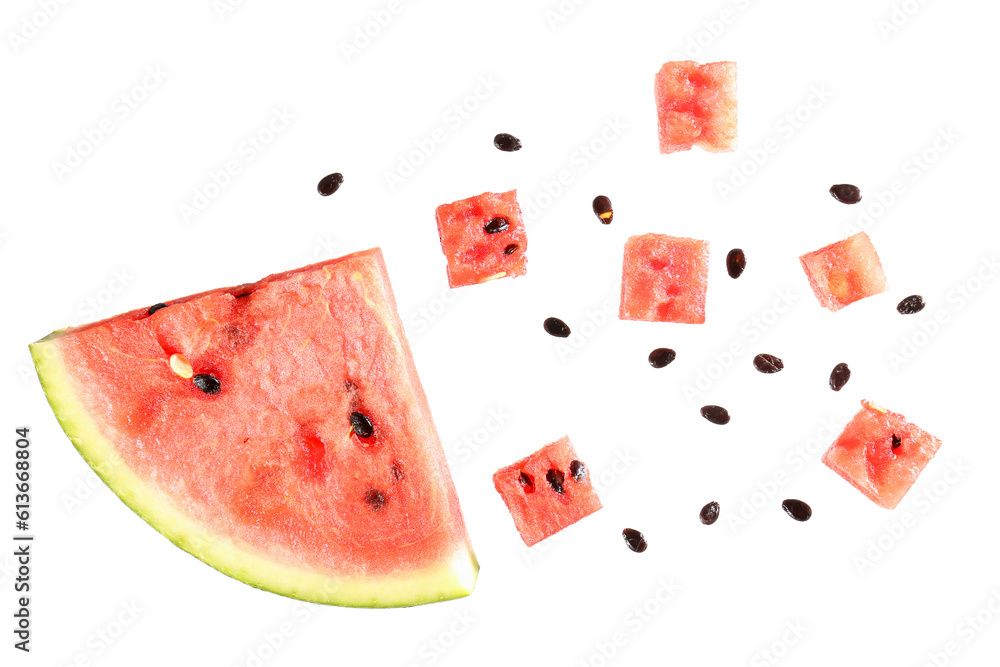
207,382
910,305
661,356
797,509
496,225
578,469
839,376
556,327
846,193
330,184
556,479
375,499
768,363
361,425
153,309
709,513
736,262
507,142
527,482
715,414
602,209
511,249
896,441
635,540
181,366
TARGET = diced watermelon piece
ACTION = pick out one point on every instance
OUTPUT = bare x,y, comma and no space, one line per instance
547,491
664,279
483,238
845,271
696,105
864,454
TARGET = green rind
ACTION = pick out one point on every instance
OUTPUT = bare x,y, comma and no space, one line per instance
445,581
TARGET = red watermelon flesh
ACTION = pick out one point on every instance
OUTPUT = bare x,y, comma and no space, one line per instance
696,105
844,272
475,255
266,479
664,279
547,491
864,454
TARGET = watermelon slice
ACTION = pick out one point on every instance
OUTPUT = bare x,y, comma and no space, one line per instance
483,238
696,105
664,279
844,272
277,431
881,454
547,491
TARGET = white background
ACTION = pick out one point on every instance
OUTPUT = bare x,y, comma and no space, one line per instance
885,93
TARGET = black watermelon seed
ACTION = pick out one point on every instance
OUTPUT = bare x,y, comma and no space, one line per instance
507,142
330,184
527,481
362,425
602,209
153,309
839,376
635,540
846,194
556,327
797,509
661,356
207,382
896,441
556,479
910,305
709,513
243,296
715,414
375,499
511,249
496,225
736,262
768,363
578,469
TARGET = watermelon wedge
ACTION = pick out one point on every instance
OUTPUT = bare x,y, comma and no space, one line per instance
277,431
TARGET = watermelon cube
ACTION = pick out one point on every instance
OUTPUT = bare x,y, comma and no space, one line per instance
881,454
664,279
845,271
547,491
483,238
696,105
